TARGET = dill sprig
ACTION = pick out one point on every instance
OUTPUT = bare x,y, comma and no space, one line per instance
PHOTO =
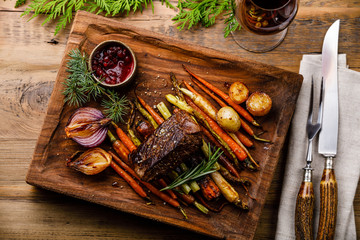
204,168
81,87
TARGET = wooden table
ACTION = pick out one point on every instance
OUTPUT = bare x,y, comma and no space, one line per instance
28,67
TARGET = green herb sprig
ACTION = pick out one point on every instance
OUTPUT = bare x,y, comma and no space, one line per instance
204,168
62,10
81,87
191,12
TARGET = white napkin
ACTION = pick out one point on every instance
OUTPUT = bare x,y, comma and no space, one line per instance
347,162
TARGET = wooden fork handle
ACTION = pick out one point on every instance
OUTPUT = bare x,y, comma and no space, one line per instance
304,211
328,204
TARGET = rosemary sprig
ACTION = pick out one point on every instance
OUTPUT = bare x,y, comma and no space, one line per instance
81,87
197,172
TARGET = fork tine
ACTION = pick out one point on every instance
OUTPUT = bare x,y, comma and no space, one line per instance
310,114
321,104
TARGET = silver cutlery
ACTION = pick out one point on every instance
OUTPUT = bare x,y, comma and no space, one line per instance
305,199
328,137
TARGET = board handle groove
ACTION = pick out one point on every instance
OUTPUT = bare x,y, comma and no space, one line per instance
328,203
304,210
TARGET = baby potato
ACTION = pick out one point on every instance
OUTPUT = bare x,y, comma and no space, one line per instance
238,92
259,104
228,119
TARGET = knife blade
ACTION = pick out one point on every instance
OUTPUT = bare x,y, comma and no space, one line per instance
328,138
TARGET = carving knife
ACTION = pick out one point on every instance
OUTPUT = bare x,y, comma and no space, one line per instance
328,137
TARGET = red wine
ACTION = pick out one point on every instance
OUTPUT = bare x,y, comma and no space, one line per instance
270,4
266,16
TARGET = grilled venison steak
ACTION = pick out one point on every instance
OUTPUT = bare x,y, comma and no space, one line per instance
171,144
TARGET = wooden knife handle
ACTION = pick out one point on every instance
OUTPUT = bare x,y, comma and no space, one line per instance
304,211
328,204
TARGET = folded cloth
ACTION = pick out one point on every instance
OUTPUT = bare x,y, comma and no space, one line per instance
346,163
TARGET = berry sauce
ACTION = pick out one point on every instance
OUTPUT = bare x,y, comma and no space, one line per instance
112,63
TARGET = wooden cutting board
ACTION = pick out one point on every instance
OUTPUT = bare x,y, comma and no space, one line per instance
157,55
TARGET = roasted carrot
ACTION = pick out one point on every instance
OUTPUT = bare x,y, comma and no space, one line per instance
226,174
146,114
206,204
244,139
190,88
238,151
119,147
237,140
211,138
163,196
208,188
188,199
124,138
224,96
152,112
225,162
137,188
124,165
218,100
163,184
152,189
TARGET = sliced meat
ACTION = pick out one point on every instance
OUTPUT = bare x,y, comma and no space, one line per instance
171,144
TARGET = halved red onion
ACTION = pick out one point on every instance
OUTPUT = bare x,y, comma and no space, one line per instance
87,126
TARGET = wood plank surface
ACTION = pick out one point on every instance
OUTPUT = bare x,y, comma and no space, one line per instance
156,56
28,68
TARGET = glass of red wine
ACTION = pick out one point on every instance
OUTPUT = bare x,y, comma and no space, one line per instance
263,23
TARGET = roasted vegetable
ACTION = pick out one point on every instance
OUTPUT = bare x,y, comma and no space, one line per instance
134,185
158,119
119,147
228,119
237,150
163,110
87,126
149,186
238,92
225,188
91,162
144,128
259,104
208,188
225,97
124,138
201,102
129,124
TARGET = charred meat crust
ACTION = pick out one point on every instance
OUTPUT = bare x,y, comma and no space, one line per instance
171,144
